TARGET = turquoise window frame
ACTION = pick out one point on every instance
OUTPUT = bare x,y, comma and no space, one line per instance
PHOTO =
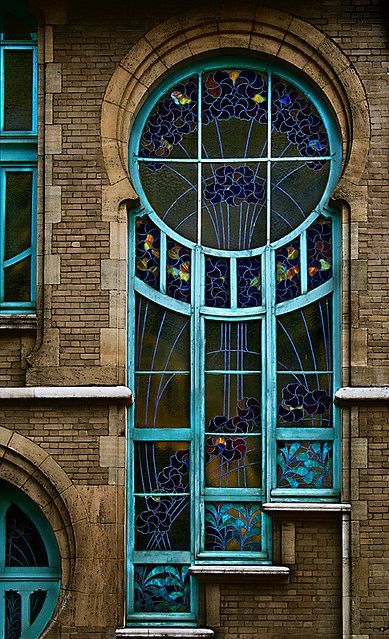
268,312
27,580
18,152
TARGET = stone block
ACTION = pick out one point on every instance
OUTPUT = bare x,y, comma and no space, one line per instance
52,269
53,77
112,452
359,346
288,542
53,139
359,453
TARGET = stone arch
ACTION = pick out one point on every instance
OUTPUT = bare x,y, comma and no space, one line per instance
30,468
257,31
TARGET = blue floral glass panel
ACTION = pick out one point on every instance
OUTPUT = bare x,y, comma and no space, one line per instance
178,266
234,113
13,614
162,523
171,128
161,467
232,462
319,252
233,205
304,338
249,282
161,588
233,526
147,251
217,282
288,271
24,546
304,464
297,128
232,403
305,400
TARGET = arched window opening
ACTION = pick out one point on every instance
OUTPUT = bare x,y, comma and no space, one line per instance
234,322
29,567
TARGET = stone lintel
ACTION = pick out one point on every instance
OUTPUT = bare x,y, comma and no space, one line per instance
281,506
165,633
109,393
359,395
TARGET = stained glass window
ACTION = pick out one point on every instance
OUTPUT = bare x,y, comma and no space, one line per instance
29,567
233,317
18,158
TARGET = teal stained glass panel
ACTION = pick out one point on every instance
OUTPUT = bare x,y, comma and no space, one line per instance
305,464
161,588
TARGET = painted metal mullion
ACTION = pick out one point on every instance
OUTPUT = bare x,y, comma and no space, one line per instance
162,264
198,345
161,434
35,90
2,85
234,160
25,610
303,372
305,434
17,258
337,342
2,229
271,358
303,263
34,222
233,283
304,300
161,556
268,160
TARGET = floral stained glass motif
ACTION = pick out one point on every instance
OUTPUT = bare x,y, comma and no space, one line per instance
147,251
232,462
161,467
233,527
161,588
13,614
162,523
178,266
305,464
304,401
249,282
319,252
288,272
217,282
171,129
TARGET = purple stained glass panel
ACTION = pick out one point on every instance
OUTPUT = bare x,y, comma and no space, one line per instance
232,461
319,252
178,271
304,401
249,282
161,467
305,464
171,128
162,523
234,113
233,403
217,282
233,527
161,588
288,271
147,251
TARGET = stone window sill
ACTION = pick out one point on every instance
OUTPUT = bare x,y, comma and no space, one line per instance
309,507
165,633
26,321
220,571
75,393
350,396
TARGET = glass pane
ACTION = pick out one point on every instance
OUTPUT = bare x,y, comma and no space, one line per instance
17,281
178,265
17,90
13,614
304,338
234,205
161,467
232,403
297,128
18,209
14,28
147,251
162,338
234,113
162,523
296,188
304,400
37,599
288,271
171,128
304,464
171,190
233,345
217,282
233,527
319,252
24,545
249,282
161,588
232,462
162,401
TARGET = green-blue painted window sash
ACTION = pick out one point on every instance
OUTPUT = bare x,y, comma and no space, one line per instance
27,306
25,134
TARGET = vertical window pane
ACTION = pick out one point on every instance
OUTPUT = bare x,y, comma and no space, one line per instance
161,588
304,464
13,614
217,282
17,282
161,467
162,523
319,252
18,90
233,526
147,251
249,282
18,210
232,462
178,267
304,400
234,346
37,599
288,271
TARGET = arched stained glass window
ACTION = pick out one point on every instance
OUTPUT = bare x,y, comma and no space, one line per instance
29,567
233,322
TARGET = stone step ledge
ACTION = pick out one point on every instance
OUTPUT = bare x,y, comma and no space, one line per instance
112,393
350,395
235,570
294,506
165,633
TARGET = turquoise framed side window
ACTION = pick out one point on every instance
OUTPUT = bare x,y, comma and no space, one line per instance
29,567
18,159
234,322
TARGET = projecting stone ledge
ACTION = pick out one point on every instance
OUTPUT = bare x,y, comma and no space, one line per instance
238,572
295,506
165,633
75,393
350,395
